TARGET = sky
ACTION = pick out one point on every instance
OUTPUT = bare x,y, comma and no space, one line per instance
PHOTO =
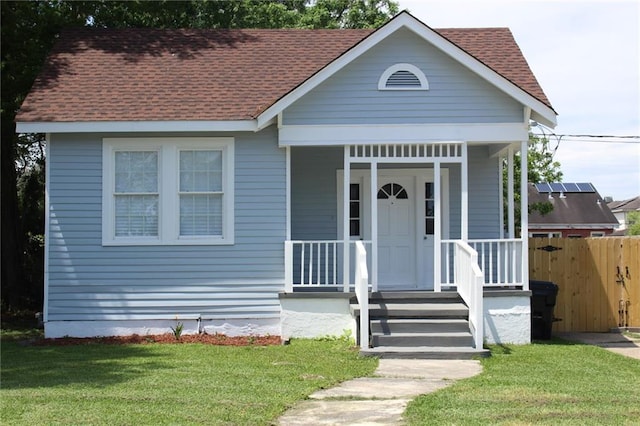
586,57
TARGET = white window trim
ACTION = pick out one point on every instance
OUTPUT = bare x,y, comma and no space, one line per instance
382,82
168,183
546,234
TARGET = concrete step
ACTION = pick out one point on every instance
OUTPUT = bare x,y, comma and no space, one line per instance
418,325
426,352
414,297
415,310
422,339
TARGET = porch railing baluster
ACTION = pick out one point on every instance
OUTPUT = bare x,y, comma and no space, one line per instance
497,258
318,263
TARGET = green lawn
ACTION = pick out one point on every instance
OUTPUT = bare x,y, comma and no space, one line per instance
167,384
555,383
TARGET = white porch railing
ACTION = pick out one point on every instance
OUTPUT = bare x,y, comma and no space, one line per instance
500,261
318,263
468,279
362,293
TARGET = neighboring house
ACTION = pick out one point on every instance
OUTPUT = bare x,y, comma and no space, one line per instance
578,211
621,210
222,178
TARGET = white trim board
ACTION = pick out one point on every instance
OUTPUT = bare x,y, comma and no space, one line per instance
338,135
139,126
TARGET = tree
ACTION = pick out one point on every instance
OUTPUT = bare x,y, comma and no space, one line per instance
541,167
28,31
634,223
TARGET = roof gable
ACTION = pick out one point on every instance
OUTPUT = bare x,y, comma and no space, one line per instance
214,76
494,46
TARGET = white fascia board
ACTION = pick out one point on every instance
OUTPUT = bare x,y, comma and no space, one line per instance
138,126
540,112
329,135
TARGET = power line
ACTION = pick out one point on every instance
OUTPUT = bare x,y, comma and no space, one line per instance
600,136
612,139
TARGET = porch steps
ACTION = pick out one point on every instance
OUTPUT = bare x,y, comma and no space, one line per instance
417,324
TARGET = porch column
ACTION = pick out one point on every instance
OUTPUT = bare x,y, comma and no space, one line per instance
374,226
288,248
510,197
501,194
288,190
524,213
437,228
464,195
346,190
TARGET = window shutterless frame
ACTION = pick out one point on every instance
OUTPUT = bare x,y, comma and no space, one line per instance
210,222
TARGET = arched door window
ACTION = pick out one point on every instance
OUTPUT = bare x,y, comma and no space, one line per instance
392,190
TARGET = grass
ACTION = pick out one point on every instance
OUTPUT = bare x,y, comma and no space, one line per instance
167,384
632,335
554,383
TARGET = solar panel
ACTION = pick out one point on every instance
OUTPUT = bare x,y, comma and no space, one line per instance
545,187
557,187
585,187
571,187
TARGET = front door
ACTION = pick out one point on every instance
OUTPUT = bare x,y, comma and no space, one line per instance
406,223
396,233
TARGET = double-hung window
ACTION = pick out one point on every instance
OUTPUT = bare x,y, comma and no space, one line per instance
168,191
135,196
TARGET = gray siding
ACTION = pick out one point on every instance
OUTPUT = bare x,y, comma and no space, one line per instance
313,193
484,203
88,281
456,95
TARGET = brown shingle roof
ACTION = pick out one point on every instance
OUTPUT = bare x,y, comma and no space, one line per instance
576,208
151,74
630,205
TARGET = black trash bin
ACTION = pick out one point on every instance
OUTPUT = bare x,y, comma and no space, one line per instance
543,301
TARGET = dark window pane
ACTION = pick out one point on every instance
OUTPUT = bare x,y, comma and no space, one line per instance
354,193
354,209
429,208
354,227
402,194
428,190
384,192
429,226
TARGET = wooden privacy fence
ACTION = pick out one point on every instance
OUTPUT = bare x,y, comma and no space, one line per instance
598,279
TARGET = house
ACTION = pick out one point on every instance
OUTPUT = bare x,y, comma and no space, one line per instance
621,210
269,181
578,211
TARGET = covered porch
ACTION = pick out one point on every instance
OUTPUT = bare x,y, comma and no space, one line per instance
405,221
409,206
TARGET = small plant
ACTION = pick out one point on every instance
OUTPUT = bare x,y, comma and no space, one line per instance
177,330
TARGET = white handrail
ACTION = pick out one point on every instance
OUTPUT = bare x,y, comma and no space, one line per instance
469,282
362,292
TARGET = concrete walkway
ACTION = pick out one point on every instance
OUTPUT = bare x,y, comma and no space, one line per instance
379,400
614,342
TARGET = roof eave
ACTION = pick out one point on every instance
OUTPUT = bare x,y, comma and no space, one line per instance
138,126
